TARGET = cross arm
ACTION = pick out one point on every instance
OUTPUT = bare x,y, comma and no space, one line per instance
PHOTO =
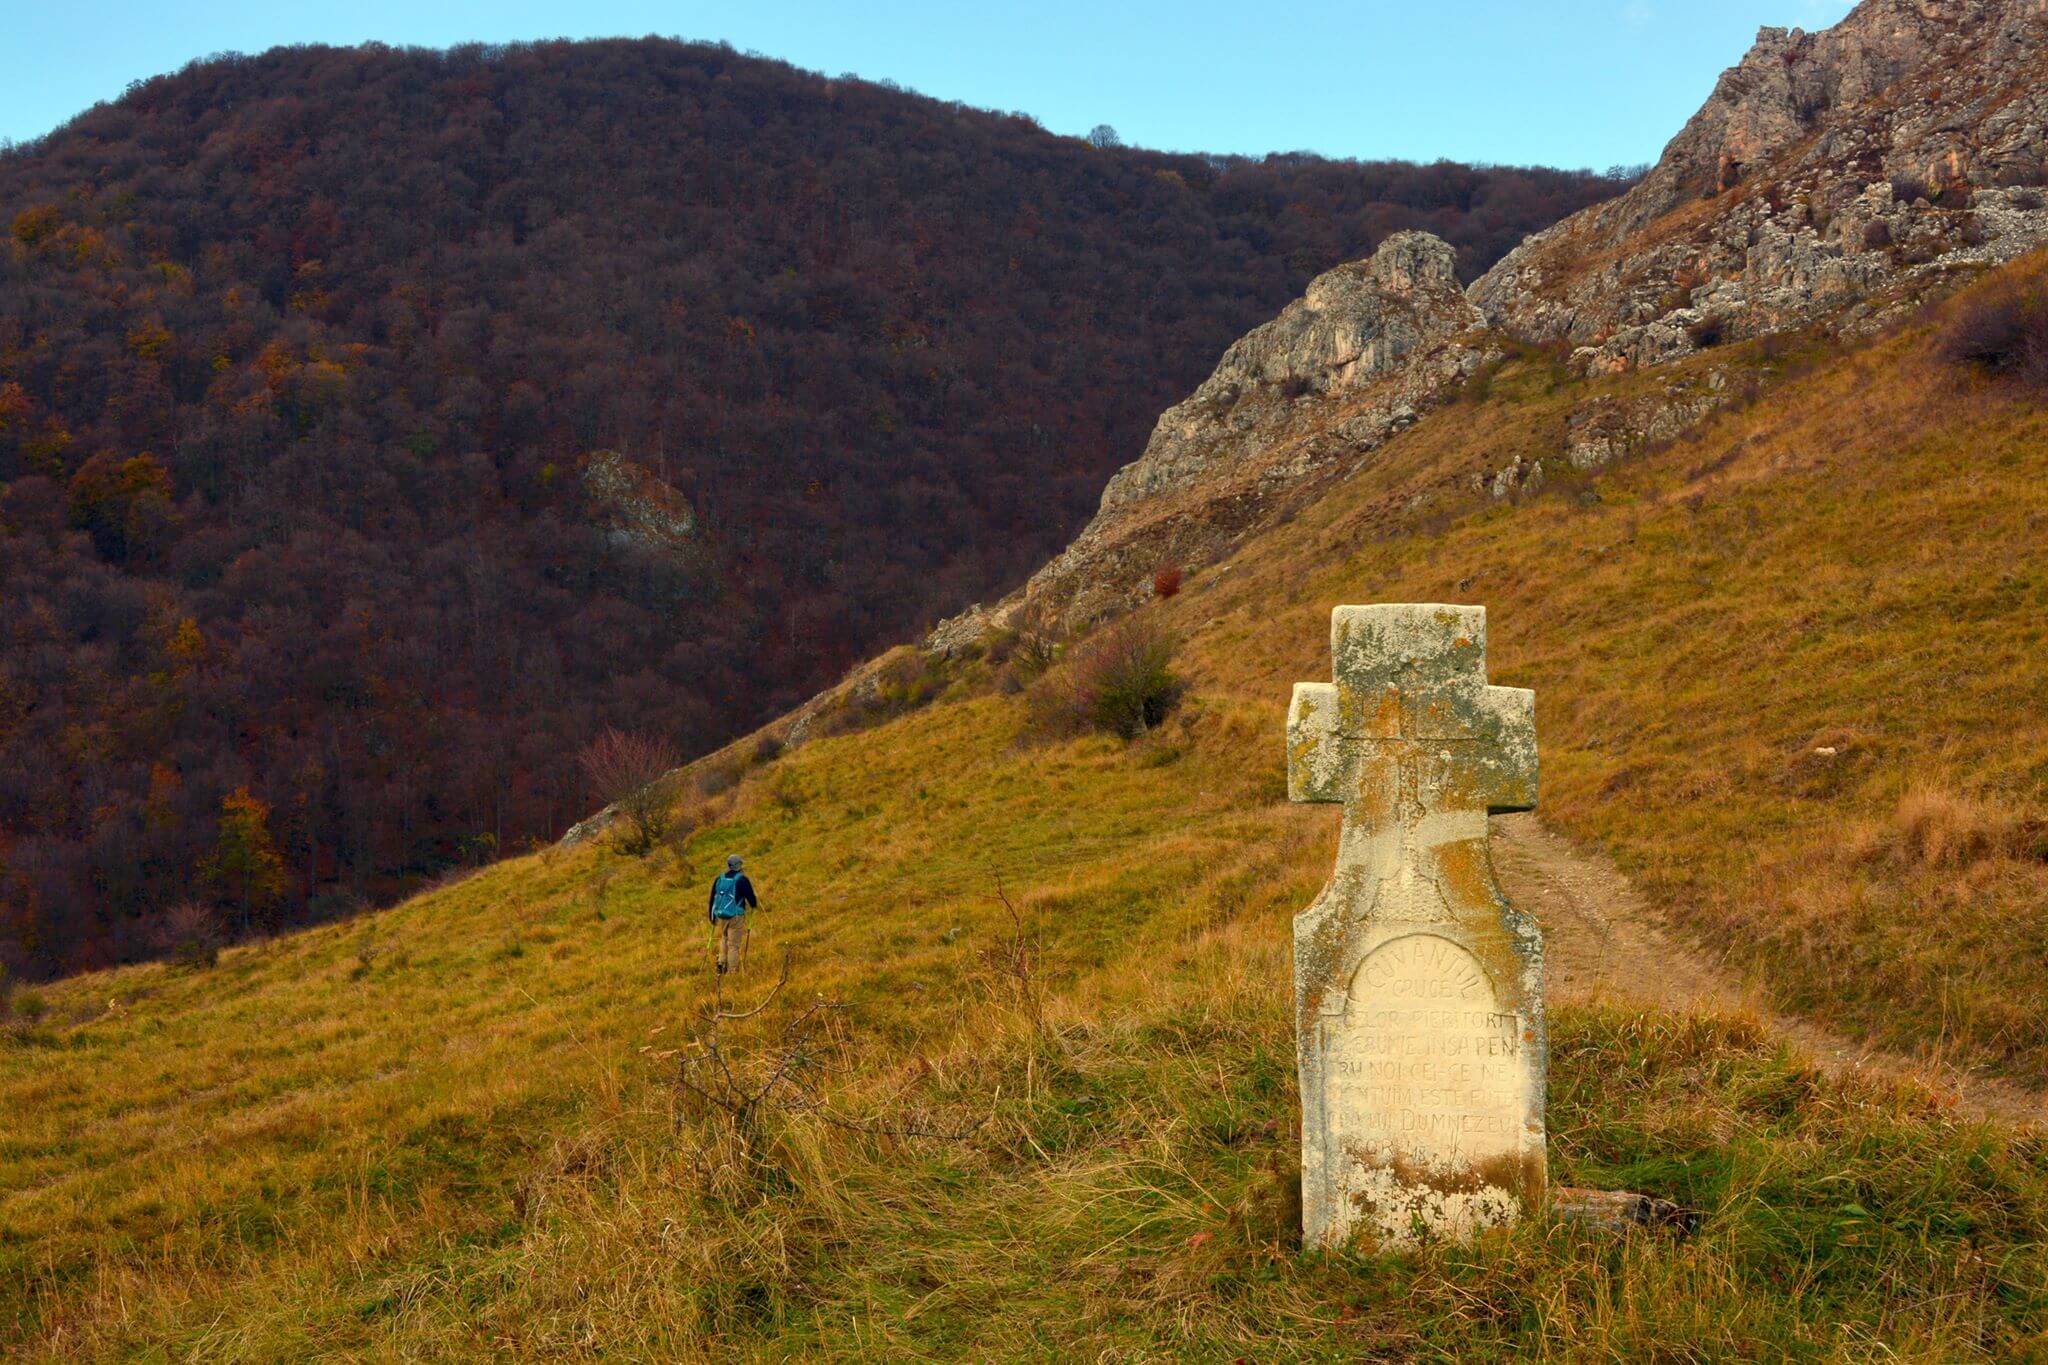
1319,762
1507,717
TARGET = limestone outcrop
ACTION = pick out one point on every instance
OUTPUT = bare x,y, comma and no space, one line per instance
1369,348
1833,179
1355,324
637,509
1828,170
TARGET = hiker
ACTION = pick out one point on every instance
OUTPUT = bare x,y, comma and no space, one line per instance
732,895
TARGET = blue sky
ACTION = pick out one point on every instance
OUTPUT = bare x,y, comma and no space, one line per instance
1559,82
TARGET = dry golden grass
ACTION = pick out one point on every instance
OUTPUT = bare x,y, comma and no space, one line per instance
1752,646
449,1130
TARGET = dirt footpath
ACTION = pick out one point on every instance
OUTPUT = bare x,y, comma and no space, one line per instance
1603,941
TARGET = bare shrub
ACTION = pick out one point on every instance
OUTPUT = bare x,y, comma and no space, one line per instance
630,773
1877,235
729,1093
998,644
1167,581
716,778
190,933
1121,682
1034,654
681,825
2002,334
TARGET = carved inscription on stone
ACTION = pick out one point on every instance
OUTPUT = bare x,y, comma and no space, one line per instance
1422,1059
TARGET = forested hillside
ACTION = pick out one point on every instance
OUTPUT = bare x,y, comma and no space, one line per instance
310,587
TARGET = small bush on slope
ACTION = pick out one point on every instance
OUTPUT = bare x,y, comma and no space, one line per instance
2003,330
1122,682
630,773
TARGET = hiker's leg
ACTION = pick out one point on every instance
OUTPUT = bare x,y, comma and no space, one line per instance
729,945
737,955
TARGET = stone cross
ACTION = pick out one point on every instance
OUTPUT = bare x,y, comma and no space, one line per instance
1418,990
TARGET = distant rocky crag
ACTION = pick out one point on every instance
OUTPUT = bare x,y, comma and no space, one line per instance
1826,171
1378,341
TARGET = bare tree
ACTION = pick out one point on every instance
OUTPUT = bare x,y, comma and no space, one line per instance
631,774
1102,135
190,933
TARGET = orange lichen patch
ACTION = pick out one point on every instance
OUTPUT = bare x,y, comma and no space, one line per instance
1467,875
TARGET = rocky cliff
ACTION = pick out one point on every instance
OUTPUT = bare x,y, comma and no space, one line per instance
1829,175
1359,357
1833,179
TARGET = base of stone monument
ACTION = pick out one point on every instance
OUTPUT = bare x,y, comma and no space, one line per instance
1620,1211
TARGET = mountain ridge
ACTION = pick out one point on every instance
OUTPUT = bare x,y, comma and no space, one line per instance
1780,206
1819,179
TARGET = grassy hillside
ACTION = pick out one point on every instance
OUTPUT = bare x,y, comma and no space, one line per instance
452,1129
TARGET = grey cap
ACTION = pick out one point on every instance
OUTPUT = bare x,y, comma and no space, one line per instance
732,864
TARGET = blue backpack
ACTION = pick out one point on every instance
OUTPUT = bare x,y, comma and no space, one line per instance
725,897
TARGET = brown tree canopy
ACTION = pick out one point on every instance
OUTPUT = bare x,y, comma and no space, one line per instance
306,362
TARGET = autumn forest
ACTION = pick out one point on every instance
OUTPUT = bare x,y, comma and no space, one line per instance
378,426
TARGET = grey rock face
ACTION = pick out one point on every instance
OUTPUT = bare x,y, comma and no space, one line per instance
1355,323
956,635
1776,205
1358,320
1368,350
639,509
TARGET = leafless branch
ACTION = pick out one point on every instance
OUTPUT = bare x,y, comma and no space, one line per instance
718,1010
788,1076
1014,957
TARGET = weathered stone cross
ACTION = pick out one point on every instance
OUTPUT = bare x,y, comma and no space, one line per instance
1418,989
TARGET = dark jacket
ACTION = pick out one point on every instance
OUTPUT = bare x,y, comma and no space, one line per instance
743,893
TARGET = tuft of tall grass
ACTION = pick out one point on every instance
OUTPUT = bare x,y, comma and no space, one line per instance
1935,827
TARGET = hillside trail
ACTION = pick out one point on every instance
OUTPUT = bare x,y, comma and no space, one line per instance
1602,940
